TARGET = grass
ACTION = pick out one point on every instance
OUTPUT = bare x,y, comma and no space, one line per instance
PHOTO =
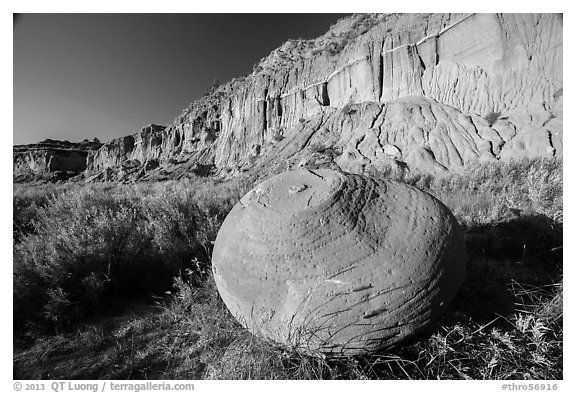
82,250
506,322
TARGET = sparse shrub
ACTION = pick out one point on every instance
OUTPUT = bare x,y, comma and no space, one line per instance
87,248
558,93
335,47
316,51
347,109
27,202
317,147
336,43
395,170
76,248
492,117
277,136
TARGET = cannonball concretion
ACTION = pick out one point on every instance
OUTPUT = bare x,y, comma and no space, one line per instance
332,263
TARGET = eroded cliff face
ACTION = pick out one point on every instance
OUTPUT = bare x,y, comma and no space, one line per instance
431,92
57,159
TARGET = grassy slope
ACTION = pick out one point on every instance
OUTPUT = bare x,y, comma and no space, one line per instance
506,322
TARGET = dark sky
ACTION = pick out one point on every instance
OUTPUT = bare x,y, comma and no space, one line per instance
80,76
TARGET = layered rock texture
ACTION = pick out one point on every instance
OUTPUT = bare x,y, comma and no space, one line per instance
60,159
328,262
425,92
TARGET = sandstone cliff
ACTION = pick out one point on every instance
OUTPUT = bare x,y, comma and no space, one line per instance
426,92
59,159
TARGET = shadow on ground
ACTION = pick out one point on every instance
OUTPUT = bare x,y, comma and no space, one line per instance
507,259
141,348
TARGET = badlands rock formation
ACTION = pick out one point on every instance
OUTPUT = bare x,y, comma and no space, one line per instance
440,91
426,92
51,156
324,261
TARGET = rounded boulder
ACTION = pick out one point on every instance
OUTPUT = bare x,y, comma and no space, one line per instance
328,262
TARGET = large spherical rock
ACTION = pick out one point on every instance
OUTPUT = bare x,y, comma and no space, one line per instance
329,262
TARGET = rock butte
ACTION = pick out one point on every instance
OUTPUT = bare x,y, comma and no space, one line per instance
330,262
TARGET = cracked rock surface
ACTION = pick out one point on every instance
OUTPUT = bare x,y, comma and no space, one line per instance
330,262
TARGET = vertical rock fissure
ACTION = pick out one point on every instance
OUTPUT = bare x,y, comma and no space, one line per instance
436,50
279,108
265,113
422,64
381,74
177,138
325,97
377,116
551,143
491,144
314,130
